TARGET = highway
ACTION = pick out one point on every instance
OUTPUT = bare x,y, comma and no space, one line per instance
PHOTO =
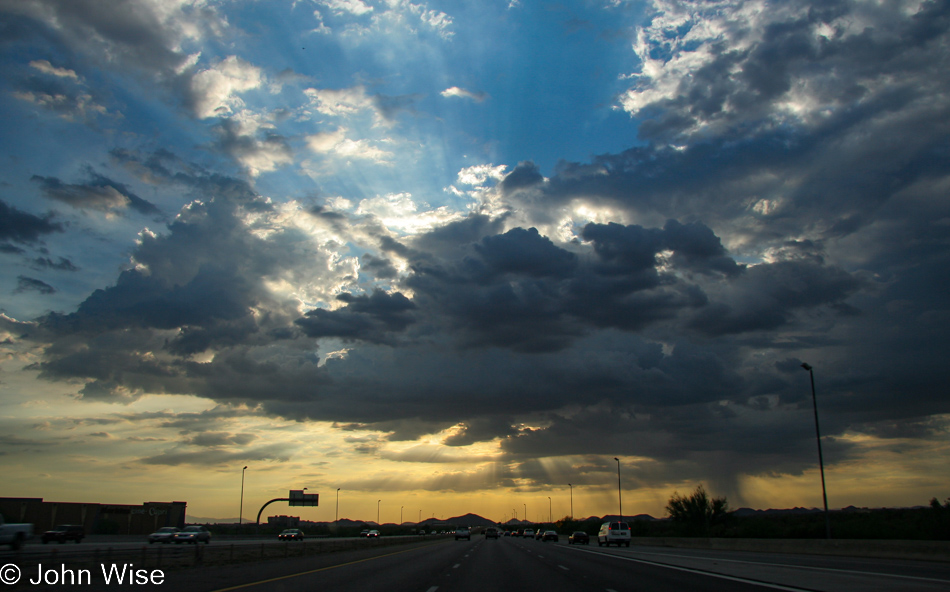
514,564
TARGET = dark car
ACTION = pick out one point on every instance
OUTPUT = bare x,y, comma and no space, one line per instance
491,532
193,535
373,534
578,538
549,535
291,534
64,532
166,534
463,533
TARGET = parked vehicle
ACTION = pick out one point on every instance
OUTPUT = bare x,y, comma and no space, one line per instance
64,532
617,533
579,537
165,534
193,535
291,534
15,534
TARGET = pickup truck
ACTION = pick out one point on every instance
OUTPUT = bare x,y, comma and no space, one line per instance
14,534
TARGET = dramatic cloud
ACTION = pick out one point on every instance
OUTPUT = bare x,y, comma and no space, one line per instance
295,233
100,194
24,228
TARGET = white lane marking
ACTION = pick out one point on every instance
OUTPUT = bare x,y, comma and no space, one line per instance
432,589
608,590
791,566
700,572
456,566
564,568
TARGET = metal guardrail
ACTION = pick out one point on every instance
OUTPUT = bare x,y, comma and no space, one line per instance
171,557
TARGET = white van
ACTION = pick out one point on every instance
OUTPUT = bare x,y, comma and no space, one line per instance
613,532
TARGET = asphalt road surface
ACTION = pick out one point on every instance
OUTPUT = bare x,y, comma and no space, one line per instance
506,564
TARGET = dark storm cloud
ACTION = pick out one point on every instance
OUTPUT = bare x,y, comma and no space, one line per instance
521,291
25,228
378,267
100,194
767,295
197,287
372,318
46,263
28,284
132,33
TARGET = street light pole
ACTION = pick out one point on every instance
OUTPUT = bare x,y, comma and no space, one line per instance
619,490
821,460
525,512
241,512
337,519
550,513
377,511
400,514
572,500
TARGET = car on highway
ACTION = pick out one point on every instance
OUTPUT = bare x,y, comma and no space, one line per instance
64,532
527,533
14,534
291,534
613,533
463,532
491,533
538,534
165,534
373,534
364,532
578,537
549,535
193,535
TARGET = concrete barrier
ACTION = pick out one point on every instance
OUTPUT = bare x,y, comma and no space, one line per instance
880,549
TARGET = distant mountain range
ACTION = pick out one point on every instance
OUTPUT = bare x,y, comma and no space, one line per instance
476,520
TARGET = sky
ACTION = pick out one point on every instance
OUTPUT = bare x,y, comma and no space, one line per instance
451,257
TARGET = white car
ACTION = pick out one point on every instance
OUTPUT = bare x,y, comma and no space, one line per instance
166,534
611,533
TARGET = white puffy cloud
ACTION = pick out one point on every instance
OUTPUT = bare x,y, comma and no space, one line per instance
214,91
462,93
356,7
337,144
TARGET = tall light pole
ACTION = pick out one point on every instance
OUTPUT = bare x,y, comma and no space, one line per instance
337,519
400,514
377,511
550,513
572,500
619,490
821,461
525,512
241,513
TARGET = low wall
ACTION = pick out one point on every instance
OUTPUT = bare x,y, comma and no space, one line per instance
881,549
